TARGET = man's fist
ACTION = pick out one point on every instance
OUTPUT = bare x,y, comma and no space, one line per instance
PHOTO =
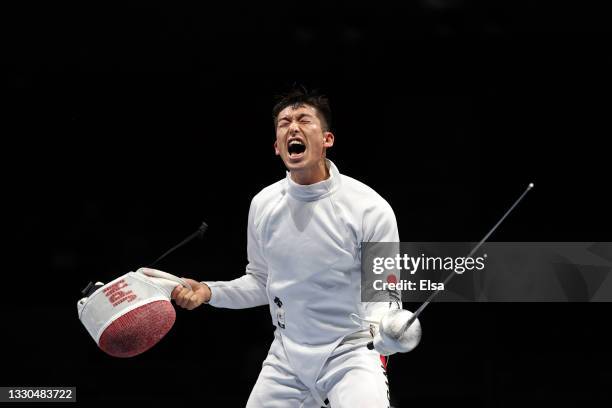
190,299
393,336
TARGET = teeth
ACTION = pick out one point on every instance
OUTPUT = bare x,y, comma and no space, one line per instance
293,142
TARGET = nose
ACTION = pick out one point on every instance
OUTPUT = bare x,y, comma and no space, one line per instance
293,128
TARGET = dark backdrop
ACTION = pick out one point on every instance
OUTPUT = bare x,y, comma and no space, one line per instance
127,126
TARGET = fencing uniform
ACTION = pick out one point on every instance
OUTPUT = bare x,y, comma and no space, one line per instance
304,261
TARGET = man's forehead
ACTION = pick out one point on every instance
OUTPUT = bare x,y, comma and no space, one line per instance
300,109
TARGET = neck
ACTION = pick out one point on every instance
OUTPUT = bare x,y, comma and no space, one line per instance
311,175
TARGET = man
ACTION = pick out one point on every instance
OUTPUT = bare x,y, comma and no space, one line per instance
304,242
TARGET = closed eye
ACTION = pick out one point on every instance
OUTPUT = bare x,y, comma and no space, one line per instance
304,118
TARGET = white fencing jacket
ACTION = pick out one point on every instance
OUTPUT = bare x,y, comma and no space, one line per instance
304,261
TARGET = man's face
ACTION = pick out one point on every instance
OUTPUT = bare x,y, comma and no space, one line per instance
300,138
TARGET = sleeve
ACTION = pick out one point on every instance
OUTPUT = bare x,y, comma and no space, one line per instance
250,289
380,225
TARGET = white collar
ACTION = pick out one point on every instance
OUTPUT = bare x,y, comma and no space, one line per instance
316,191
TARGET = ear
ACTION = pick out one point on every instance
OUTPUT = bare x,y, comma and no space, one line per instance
328,139
276,151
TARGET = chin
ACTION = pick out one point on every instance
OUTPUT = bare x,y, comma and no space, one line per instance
295,165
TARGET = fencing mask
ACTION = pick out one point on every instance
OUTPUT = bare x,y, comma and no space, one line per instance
129,315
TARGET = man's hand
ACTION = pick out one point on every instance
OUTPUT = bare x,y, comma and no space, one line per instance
393,336
190,299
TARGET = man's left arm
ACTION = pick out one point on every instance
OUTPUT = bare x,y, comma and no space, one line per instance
390,337
380,225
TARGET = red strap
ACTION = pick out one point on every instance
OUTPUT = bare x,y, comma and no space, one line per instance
383,360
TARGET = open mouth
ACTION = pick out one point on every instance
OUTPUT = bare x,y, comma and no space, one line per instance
296,148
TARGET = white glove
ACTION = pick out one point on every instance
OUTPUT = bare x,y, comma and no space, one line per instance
392,336
166,281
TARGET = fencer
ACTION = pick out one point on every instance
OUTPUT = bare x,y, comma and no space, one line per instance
303,246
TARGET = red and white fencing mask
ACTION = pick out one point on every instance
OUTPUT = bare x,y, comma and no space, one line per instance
129,315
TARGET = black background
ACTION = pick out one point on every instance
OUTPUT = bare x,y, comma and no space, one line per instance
128,125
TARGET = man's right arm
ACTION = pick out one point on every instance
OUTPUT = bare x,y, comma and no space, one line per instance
247,291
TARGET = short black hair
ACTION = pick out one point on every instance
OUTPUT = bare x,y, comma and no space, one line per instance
300,96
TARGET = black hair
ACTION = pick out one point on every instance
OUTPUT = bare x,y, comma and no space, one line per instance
300,96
